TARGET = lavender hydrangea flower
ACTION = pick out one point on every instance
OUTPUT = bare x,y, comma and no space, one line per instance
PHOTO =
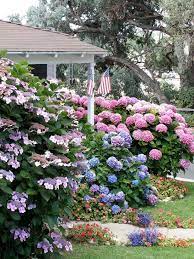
94,188
93,162
143,168
112,178
46,246
104,189
21,234
136,238
8,175
114,163
117,141
152,199
104,199
120,196
142,175
115,209
90,176
60,242
127,138
18,202
141,158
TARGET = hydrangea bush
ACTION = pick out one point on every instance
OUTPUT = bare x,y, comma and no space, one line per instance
38,161
158,131
114,178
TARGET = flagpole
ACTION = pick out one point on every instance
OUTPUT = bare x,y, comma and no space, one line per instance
91,98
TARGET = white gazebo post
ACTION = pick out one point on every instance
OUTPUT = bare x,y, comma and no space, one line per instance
51,71
91,98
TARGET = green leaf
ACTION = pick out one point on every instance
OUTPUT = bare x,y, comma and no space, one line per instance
6,189
25,174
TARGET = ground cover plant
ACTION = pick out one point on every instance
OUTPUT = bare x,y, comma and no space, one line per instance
38,163
159,131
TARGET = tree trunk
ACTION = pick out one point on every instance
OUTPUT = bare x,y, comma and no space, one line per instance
144,77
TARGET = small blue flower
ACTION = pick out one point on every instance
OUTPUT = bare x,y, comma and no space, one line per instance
136,238
93,162
104,189
87,198
90,176
112,178
135,182
104,199
115,209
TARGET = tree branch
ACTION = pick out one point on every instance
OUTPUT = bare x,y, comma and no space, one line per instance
144,77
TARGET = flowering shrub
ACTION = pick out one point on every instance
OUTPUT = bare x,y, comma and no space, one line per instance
91,233
158,131
114,178
38,162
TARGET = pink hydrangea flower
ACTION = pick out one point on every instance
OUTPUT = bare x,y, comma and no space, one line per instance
150,118
155,154
97,118
130,121
99,100
137,116
161,128
113,104
185,163
112,128
75,99
101,127
83,100
165,119
115,118
105,114
79,115
141,123
186,139
147,136
137,134
124,101
122,127
191,148
170,113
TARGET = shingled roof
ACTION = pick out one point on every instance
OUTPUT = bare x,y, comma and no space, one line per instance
21,38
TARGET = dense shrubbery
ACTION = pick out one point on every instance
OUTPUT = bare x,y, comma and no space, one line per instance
158,130
38,162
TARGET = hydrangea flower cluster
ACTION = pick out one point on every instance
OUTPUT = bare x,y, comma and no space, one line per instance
147,237
21,234
54,183
121,139
18,202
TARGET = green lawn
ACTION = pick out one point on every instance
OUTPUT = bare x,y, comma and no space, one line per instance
117,252
183,208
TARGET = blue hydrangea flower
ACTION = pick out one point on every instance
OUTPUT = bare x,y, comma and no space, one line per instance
105,137
120,196
93,162
143,168
114,163
106,144
144,219
87,198
111,197
142,175
135,182
141,158
104,189
90,176
115,209
94,188
112,178
127,138
136,238
104,199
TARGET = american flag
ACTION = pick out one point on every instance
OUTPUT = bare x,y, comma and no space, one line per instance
90,83
105,84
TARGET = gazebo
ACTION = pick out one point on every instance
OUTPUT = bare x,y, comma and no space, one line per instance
45,49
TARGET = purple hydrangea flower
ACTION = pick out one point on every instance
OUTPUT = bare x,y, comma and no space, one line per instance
127,138
60,242
142,175
143,168
21,234
104,199
114,163
117,141
144,219
136,238
141,158
112,178
46,246
120,196
18,202
115,209
94,188
8,175
152,199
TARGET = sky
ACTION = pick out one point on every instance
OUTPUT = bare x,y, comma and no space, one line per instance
9,7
